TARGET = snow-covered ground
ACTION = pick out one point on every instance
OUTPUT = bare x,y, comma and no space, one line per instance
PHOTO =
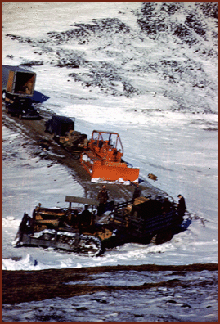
158,92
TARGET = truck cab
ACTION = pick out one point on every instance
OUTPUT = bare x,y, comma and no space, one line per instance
21,107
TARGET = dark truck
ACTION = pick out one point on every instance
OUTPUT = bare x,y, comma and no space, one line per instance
62,130
18,90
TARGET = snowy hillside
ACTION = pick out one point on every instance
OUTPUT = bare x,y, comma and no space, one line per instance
166,48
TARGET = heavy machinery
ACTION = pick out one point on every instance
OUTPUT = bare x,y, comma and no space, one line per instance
61,228
143,220
62,130
18,90
102,159
22,108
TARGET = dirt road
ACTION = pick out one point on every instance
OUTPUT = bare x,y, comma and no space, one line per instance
34,130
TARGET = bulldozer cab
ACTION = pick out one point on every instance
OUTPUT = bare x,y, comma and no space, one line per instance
113,140
107,146
102,159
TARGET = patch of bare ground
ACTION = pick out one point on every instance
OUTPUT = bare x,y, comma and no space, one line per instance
26,286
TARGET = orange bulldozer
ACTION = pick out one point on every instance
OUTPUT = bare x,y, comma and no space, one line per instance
102,159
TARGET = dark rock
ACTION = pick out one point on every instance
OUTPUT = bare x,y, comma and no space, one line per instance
186,306
171,301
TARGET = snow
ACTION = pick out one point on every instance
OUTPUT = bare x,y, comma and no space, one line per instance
168,129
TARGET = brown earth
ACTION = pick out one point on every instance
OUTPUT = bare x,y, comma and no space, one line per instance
26,286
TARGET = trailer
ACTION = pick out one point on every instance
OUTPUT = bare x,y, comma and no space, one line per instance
18,90
17,81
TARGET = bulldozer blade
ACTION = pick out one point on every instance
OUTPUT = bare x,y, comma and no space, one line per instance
113,173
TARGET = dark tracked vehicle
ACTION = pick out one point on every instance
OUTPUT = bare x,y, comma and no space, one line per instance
143,220
63,132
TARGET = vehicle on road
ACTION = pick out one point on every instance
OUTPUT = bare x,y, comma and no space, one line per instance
79,230
63,132
18,90
102,159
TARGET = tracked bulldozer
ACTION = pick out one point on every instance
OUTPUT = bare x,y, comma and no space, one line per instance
82,231
61,229
62,130
102,159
